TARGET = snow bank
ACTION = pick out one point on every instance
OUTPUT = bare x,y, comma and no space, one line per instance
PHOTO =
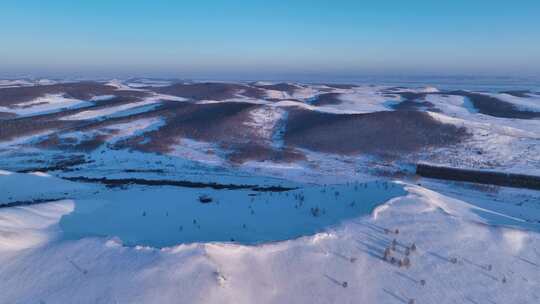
31,226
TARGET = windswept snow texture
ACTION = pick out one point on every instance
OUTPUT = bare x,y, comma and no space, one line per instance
172,191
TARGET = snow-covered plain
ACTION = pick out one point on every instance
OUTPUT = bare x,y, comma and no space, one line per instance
66,237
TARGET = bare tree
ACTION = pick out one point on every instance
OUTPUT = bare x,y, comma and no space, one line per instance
393,245
406,262
386,254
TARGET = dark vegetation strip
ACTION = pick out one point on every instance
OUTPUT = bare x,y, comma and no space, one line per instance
283,87
110,182
7,115
64,165
495,107
189,120
485,104
481,177
210,90
518,93
340,86
327,99
31,202
79,90
412,101
29,125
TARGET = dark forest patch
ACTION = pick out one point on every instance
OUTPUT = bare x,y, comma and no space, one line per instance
492,106
77,90
86,144
282,87
518,93
327,99
210,91
24,126
60,162
341,86
7,115
382,133
217,123
412,101
262,152
14,128
478,176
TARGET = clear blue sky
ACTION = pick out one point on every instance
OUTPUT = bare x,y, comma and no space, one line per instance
190,38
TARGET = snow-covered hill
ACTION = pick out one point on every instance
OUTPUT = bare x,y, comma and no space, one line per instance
150,191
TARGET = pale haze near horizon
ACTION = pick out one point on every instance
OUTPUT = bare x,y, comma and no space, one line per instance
270,39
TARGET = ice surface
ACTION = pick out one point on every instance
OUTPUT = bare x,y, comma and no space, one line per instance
177,216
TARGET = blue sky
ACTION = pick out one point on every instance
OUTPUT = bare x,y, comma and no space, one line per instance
252,38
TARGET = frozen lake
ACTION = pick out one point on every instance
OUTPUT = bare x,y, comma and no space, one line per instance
173,215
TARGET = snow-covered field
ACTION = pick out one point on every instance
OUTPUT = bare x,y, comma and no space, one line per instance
141,201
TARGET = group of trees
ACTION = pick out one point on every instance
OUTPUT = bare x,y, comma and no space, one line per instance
391,253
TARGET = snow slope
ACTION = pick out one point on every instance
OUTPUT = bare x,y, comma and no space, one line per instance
458,259
324,241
